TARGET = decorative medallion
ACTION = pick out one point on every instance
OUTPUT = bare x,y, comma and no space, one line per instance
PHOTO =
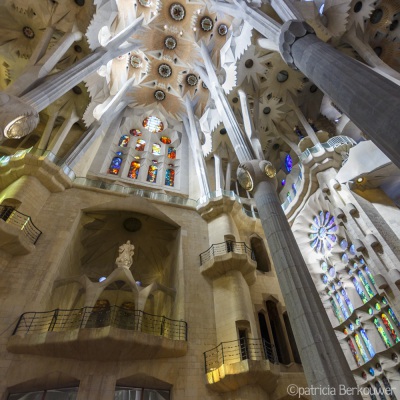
177,11
206,24
192,80
136,61
322,233
170,42
28,32
269,170
222,29
145,3
245,179
165,70
159,95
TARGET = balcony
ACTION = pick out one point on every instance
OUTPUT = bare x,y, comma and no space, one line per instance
111,333
229,256
238,363
18,234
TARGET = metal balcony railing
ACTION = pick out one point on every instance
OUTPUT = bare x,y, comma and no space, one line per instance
239,350
95,317
23,222
224,248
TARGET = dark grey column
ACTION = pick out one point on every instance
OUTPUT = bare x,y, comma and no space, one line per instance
325,366
370,100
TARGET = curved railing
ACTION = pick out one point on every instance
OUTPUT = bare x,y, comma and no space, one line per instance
23,222
224,248
95,317
239,350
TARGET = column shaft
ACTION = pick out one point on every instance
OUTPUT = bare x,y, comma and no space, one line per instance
371,101
324,363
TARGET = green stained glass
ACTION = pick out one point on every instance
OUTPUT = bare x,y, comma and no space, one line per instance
382,332
390,328
359,290
361,348
366,284
368,272
336,311
394,318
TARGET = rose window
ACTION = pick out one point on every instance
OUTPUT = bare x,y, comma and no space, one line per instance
159,95
322,234
177,11
165,70
170,42
206,24
192,80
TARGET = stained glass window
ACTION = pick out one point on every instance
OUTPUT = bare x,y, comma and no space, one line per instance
156,149
123,141
342,306
359,290
171,152
288,163
347,300
152,174
134,170
388,388
394,318
140,144
382,332
361,348
354,352
368,272
165,140
135,132
366,284
153,124
371,393
170,177
390,328
115,164
367,342
336,311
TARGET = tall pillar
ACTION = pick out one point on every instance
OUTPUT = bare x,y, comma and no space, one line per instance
367,98
324,363
228,176
217,167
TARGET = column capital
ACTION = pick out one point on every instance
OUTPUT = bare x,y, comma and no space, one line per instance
251,173
290,32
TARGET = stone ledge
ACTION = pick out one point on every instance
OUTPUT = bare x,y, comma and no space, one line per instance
13,240
102,344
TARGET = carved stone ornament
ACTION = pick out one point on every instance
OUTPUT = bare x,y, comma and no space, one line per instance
177,11
159,95
192,80
125,258
165,70
290,32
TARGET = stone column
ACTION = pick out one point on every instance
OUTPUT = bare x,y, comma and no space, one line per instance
228,176
217,167
367,98
324,363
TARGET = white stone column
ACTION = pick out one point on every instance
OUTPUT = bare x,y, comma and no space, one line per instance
62,133
47,131
217,167
200,165
228,176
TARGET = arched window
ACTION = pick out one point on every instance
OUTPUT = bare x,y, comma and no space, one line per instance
152,174
171,153
169,177
277,332
260,254
269,354
295,351
123,141
115,164
134,170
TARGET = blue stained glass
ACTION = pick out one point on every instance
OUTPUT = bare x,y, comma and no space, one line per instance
169,177
115,165
341,305
288,163
324,266
352,250
361,348
344,244
345,259
367,342
379,390
371,371
283,182
347,300
388,388
324,279
359,290
368,272
394,318
362,261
